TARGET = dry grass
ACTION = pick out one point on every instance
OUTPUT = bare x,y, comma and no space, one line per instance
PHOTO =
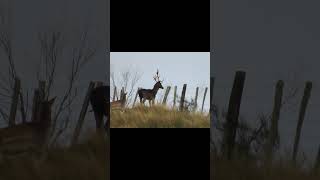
81,162
157,117
248,170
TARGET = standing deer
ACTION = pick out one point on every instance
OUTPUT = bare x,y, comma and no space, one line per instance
120,103
29,136
150,94
99,100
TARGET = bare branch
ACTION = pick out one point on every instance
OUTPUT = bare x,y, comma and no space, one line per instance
80,57
51,48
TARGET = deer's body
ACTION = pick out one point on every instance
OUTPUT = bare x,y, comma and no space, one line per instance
27,136
150,94
99,100
120,103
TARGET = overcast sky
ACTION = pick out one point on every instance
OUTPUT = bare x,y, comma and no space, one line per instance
175,68
270,40
71,17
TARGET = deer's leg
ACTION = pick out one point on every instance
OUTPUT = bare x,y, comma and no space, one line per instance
150,102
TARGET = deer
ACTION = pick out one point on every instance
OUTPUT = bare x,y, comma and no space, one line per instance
28,136
99,99
120,103
150,94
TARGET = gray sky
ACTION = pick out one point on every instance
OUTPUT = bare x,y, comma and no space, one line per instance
71,17
270,40
176,68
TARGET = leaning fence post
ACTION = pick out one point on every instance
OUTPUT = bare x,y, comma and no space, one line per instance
135,98
14,103
317,163
42,96
166,95
82,113
275,120
174,96
204,98
233,114
22,110
196,99
302,111
114,93
211,92
183,97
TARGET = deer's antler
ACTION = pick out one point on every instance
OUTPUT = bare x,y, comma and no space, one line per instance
157,77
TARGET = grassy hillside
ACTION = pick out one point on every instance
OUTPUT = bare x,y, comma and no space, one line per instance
223,169
84,161
157,117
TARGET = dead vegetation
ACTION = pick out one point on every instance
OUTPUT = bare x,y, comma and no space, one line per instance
157,116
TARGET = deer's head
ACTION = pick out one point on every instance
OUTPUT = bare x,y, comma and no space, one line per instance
157,79
159,85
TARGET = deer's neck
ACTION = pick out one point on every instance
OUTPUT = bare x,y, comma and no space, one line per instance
155,90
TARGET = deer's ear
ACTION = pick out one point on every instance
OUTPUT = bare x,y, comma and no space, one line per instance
51,101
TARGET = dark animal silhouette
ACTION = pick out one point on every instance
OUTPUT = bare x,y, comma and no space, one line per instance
150,94
29,135
100,103
120,103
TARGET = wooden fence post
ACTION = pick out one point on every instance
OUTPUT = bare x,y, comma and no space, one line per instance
317,163
166,95
121,93
14,103
275,120
196,99
204,98
183,94
174,96
82,114
233,114
135,98
42,90
302,111
22,110
35,105
211,92
42,96
114,93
